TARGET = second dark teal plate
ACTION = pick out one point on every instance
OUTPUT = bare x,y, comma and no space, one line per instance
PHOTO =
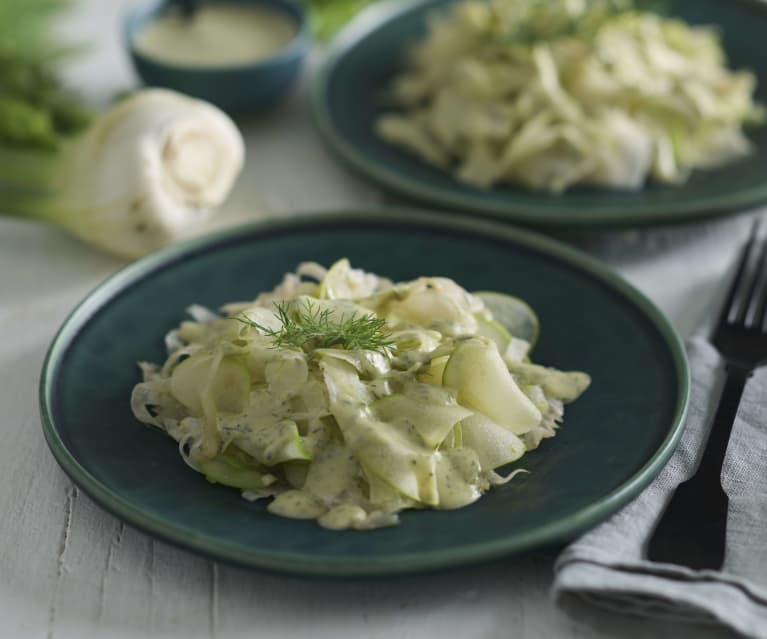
615,438
350,92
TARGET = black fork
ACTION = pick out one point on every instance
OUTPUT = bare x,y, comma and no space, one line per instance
692,530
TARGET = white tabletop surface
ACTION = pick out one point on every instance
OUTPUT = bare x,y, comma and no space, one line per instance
70,570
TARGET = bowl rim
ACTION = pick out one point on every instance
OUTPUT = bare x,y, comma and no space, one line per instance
138,16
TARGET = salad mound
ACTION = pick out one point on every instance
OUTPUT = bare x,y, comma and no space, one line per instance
348,398
554,93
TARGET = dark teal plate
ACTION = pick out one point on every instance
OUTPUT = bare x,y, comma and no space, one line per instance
351,91
614,441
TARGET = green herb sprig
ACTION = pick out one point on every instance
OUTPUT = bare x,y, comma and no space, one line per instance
312,328
328,16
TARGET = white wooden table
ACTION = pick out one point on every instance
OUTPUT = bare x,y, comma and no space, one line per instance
68,569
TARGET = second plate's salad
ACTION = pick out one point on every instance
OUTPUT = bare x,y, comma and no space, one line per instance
348,398
550,94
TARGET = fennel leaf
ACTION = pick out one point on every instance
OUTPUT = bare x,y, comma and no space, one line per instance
36,111
311,328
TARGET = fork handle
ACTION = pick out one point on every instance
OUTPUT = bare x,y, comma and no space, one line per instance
721,426
692,530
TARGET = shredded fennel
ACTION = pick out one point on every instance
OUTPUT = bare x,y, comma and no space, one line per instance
550,94
419,399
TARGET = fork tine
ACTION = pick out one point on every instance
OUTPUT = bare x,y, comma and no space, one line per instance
757,293
734,308
756,313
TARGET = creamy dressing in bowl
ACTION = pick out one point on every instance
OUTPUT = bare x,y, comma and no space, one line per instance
216,35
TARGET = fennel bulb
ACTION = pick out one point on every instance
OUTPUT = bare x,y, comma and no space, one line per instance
144,174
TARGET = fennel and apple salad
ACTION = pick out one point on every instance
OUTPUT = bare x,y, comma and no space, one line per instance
347,397
550,94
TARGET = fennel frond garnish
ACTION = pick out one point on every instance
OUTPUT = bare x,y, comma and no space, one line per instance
312,327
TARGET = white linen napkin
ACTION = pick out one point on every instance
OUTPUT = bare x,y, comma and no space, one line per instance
607,567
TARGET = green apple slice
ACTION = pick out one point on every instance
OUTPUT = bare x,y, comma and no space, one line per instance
513,314
382,449
494,331
273,443
458,478
435,371
335,284
226,379
432,420
342,282
479,374
231,468
495,445
384,452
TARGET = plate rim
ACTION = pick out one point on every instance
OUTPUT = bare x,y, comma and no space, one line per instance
350,567
381,13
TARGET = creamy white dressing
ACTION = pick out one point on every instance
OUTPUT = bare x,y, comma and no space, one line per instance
216,34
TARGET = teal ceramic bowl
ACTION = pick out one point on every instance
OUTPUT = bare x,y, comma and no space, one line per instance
614,439
236,89
351,92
